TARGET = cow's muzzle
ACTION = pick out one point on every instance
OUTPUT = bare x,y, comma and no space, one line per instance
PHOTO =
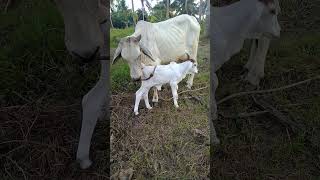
136,79
89,58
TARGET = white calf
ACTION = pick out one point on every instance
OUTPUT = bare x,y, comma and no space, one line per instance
158,75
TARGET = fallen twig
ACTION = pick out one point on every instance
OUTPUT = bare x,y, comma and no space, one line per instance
242,115
284,120
193,90
256,113
185,97
266,91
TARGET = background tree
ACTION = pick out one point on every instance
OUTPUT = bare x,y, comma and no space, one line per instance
185,7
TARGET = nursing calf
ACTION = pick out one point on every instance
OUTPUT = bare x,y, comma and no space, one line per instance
156,76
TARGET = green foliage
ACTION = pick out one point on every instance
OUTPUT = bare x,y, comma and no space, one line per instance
121,16
179,6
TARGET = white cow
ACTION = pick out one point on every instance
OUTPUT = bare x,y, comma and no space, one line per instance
231,25
159,75
86,35
160,43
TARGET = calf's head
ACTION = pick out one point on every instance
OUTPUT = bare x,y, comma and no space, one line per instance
267,23
193,67
130,48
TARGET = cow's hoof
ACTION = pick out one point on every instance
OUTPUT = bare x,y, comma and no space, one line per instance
189,85
84,164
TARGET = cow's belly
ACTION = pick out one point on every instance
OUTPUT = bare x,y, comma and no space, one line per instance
171,43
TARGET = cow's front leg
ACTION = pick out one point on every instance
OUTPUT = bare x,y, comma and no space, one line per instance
256,62
190,81
155,97
92,109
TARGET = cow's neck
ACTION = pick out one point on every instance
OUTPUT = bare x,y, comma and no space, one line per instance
105,64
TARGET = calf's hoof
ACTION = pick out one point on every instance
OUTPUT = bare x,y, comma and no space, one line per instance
155,100
136,113
149,107
177,106
85,163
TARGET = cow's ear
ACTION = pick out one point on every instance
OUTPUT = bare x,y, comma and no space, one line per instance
117,54
138,38
146,52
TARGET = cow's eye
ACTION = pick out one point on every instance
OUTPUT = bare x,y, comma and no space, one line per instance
272,11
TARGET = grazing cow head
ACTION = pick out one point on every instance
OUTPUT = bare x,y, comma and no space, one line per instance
268,24
130,49
82,19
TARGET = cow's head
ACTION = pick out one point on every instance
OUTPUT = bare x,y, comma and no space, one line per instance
130,49
83,33
268,24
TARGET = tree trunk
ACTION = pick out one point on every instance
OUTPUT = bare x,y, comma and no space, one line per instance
207,24
168,5
142,4
134,19
186,6
200,10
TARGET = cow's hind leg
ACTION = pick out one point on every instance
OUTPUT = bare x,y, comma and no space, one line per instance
155,97
190,81
92,109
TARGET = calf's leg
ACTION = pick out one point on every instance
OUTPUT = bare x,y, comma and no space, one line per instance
174,89
146,99
139,95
